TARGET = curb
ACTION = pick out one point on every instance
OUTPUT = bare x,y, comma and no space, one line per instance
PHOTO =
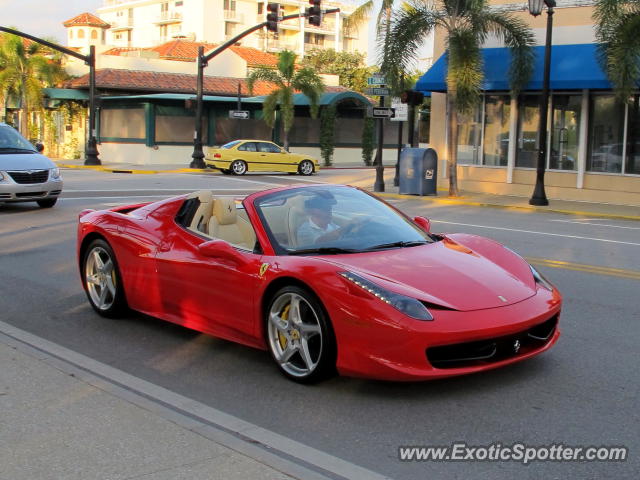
452,201
99,168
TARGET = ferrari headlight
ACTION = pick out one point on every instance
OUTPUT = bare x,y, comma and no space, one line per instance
407,305
540,279
54,173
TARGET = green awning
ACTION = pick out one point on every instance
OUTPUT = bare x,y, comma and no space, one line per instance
65,94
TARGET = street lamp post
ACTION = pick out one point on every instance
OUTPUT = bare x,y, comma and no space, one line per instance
539,196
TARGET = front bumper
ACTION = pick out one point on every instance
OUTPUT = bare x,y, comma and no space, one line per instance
375,341
10,191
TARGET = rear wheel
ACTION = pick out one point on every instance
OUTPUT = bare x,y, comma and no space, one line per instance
102,280
226,171
47,202
299,336
238,167
306,167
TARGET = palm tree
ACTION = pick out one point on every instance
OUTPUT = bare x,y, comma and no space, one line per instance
617,27
287,80
25,69
466,24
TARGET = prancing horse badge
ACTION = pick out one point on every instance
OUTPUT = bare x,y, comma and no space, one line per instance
263,269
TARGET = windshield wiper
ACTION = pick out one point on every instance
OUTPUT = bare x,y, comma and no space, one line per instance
324,250
401,244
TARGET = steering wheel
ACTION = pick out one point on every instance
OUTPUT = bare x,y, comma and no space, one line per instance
354,226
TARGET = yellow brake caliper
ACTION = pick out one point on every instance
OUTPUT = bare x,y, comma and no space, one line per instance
284,315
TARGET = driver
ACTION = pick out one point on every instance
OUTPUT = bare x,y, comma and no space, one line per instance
318,227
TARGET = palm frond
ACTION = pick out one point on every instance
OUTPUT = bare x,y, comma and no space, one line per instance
409,28
269,107
311,85
263,74
358,16
623,56
464,71
287,65
519,38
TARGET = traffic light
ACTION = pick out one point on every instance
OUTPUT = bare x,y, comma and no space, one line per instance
315,12
412,97
273,17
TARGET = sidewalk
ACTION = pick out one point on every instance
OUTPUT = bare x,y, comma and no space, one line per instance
54,425
587,209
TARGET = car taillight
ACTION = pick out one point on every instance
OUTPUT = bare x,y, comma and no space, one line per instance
217,155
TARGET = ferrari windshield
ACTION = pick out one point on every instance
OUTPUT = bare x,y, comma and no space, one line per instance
334,219
11,141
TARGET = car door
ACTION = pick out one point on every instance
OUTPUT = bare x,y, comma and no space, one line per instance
215,296
249,153
271,157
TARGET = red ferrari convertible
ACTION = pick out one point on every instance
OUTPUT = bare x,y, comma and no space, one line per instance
325,278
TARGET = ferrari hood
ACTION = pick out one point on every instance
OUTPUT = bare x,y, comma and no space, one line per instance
448,273
25,161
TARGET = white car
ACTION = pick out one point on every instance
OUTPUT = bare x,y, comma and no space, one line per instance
25,174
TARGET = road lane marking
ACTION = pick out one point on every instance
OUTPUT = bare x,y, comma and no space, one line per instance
588,223
581,267
577,237
233,432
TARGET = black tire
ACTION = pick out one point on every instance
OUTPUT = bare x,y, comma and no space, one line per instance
47,202
311,331
225,171
306,167
238,167
115,304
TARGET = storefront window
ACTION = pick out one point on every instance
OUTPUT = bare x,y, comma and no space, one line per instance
176,125
528,124
565,132
469,137
496,129
632,162
605,134
126,123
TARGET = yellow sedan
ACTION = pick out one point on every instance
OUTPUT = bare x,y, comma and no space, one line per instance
242,156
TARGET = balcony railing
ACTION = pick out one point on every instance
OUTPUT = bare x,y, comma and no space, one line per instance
278,45
122,23
327,25
234,16
169,17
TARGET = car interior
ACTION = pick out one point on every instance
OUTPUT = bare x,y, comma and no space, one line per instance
219,218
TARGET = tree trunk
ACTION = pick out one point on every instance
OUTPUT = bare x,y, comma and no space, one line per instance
452,153
285,139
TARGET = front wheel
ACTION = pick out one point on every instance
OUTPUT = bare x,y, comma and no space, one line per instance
238,167
306,167
47,202
299,336
102,280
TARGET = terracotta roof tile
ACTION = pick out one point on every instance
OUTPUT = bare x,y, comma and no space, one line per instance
181,49
86,19
155,82
255,57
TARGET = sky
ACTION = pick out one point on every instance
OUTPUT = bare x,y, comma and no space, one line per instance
43,18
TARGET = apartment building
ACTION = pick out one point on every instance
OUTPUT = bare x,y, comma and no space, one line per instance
146,23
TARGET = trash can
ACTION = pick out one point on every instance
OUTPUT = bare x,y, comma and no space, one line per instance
418,173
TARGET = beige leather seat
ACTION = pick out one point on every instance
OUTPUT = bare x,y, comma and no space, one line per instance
296,216
200,221
226,225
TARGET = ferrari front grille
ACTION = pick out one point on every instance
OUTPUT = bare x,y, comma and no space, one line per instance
492,349
30,176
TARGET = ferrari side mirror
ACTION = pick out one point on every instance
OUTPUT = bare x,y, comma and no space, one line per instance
221,250
424,223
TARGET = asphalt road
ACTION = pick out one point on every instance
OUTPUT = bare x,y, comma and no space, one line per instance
583,392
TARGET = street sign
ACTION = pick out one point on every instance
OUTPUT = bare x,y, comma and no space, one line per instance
402,110
376,80
382,112
382,92
241,114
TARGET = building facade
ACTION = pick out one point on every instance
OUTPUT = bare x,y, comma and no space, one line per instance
146,23
593,141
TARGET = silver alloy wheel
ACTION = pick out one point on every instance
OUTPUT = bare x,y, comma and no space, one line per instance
295,336
239,167
100,278
306,167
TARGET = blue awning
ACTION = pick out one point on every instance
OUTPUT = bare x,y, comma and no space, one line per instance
573,67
